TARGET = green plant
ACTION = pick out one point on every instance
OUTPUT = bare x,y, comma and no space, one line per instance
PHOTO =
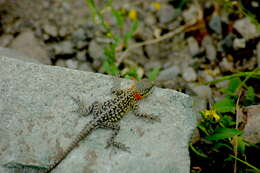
119,40
219,127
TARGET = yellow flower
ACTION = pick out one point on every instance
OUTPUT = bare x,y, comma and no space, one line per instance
156,5
211,114
132,14
109,34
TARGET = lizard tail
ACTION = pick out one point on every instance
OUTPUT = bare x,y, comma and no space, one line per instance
84,133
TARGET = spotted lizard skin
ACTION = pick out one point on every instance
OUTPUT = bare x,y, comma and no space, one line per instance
109,113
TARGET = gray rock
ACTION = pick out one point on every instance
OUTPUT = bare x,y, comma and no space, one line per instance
246,28
189,74
95,50
169,73
167,13
239,43
152,64
17,55
150,19
38,123
199,103
50,30
193,46
5,40
153,51
63,48
215,24
202,91
190,15
81,45
71,63
258,53
63,31
61,63
30,46
205,76
252,128
85,67
223,84
227,43
81,56
79,34
211,52
226,65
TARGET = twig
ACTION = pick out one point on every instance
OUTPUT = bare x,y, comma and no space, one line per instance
148,42
235,137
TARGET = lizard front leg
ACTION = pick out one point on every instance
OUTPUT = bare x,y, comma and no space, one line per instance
111,141
117,92
145,115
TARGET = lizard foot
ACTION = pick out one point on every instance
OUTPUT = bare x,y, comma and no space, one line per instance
118,145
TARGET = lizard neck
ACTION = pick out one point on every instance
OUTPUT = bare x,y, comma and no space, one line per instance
137,96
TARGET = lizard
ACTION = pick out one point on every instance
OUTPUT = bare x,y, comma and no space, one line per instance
108,114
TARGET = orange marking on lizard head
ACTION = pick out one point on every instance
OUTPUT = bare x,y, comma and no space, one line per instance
137,96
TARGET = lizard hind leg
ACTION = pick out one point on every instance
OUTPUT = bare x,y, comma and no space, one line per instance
111,141
85,110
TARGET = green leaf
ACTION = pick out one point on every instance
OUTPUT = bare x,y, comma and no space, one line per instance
234,85
250,94
197,152
223,133
152,75
241,145
130,33
119,17
219,145
225,105
227,121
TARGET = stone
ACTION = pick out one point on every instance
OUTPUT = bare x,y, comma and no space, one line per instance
150,19
150,65
169,73
167,13
61,63
226,65
85,67
71,63
205,76
30,46
50,30
246,28
211,52
64,48
226,45
17,55
239,43
189,74
81,56
202,91
193,46
153,51
252,128
5,40
38,123
95,50
79,34
215,24
190,15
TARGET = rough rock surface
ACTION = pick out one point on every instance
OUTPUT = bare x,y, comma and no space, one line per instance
38,123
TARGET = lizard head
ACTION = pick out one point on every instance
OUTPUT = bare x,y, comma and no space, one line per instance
143,88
